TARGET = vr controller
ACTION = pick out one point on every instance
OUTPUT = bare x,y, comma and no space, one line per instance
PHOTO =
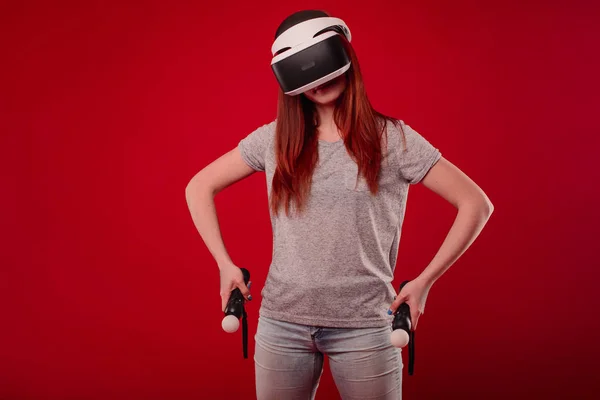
402,333
234,311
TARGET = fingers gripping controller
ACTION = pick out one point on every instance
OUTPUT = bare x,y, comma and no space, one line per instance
402,334
234,311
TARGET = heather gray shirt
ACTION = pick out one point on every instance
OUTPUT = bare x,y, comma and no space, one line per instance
333,266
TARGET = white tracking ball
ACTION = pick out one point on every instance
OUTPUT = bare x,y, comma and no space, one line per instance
399,338
230,324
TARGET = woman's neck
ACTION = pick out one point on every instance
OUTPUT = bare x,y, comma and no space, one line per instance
327,127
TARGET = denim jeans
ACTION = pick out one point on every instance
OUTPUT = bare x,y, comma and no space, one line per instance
288,361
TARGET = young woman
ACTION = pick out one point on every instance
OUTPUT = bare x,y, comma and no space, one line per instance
338,174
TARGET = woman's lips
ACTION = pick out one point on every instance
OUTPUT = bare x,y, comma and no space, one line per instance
322,86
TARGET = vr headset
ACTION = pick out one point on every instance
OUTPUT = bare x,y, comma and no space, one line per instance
310,53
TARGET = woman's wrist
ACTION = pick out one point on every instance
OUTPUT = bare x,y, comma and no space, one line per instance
425,279
224,262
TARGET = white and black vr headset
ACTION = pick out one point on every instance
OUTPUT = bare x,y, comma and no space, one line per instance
310,53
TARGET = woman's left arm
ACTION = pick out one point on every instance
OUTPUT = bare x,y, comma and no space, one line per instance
474,210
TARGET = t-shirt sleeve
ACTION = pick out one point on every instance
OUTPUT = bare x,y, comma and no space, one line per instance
254,146
415,154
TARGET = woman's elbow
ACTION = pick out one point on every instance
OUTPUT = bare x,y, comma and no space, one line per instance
480,204
485,206
197,185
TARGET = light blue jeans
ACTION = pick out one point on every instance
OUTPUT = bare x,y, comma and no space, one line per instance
288,361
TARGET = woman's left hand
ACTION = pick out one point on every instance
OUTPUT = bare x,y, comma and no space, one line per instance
414,293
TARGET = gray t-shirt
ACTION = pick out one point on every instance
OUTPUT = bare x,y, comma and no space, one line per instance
333,266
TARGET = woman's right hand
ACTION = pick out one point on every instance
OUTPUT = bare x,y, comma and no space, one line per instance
231,278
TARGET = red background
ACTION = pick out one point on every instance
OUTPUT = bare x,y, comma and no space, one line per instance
109,108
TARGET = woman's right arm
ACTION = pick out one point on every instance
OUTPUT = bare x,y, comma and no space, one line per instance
199,193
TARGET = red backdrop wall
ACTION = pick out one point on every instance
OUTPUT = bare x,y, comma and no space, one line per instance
109,108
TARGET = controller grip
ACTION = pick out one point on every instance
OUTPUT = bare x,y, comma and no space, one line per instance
403,321
235,307
235,304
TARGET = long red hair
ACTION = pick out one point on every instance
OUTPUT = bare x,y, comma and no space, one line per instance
296,141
